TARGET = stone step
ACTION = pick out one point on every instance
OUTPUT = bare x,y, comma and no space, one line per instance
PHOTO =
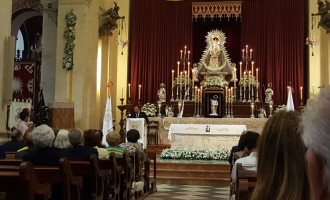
186,165
194,181
192,173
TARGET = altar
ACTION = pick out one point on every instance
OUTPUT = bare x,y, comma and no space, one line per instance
251,124
198,136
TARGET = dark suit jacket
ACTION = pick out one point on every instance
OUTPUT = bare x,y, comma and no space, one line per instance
140,115
79,152
12,145
44,157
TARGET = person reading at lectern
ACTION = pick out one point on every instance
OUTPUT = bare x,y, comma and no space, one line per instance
139,114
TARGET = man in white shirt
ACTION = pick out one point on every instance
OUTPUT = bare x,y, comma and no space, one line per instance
249,163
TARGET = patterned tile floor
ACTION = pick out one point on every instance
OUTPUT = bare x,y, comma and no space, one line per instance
189,192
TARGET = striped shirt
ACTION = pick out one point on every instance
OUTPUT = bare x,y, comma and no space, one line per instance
118,151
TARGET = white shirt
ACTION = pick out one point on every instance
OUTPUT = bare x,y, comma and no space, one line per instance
22,126
249,163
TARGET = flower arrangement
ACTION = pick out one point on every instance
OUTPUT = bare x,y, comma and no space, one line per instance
249,79
70,36
280,107
195,154
149,109
213,81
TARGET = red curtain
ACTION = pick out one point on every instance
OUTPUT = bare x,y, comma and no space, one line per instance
158,30
273,28
275,31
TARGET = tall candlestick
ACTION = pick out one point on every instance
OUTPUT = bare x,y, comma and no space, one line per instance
246,51
226,95
201,93
235,77
188,55
140,91
257,70
178,69
240,69
250,54
185,50
252,67
185,80
129,90
301,93
243,54
122,91
249,78
180,80
181,54
196,93
188,68
172,78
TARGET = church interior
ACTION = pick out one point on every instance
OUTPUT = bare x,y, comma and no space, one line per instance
202,73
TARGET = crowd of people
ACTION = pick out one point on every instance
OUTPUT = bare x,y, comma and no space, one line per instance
290,156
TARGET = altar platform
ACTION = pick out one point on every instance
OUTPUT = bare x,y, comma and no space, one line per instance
252,124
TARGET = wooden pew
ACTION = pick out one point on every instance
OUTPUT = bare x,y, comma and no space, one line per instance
23,182
61,174
152,156
110,164
137,160
125,178
10,154
245,183
89,170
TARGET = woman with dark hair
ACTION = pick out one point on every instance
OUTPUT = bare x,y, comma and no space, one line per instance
239,147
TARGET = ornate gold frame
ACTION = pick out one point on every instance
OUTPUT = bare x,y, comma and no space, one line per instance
216,9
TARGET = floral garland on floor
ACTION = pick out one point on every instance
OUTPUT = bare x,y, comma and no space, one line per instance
70,36
195,154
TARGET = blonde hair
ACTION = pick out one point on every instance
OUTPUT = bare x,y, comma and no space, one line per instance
281,170
113,138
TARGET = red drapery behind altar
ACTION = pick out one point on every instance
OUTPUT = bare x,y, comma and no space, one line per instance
275,31
159,29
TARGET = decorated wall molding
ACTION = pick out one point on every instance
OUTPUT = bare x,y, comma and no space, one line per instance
221,9
24,4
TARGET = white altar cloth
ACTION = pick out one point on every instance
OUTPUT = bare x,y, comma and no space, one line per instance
195,136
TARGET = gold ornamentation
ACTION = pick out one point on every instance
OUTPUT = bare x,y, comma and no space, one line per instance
216,9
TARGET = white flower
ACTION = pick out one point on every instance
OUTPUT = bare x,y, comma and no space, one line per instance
195,154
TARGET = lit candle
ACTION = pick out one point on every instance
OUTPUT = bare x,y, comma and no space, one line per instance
179,106
178,69
240,69
252,67
181,54
188,69
185,51
188,55
140,91
129,90
122,91
231,94
246,51
243,54
249,77
250,54
301,93
159,106
172,78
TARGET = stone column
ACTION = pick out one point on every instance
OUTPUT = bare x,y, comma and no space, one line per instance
5,30
85,59
48,65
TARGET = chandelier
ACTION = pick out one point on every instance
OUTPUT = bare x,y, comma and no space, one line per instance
122,35
312,41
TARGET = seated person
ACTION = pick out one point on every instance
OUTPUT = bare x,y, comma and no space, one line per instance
131,147
28,144
249,162
24,123
91,140
78,151
62,140
282,171
43,137
16,142
239,148
113,139
99,135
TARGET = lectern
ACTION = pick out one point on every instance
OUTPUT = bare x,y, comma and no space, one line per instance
138,124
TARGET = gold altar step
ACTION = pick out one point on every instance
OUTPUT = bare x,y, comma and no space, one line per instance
213,173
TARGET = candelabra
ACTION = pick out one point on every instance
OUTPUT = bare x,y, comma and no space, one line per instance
122,121
180,93
177,93
122,101
240,94
257,95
